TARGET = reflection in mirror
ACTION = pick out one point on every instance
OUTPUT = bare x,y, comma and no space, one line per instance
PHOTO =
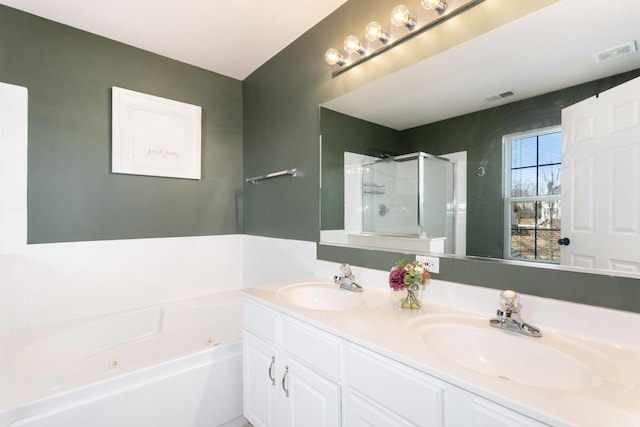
456,122
404,202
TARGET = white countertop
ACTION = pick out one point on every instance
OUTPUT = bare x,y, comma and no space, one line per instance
381,325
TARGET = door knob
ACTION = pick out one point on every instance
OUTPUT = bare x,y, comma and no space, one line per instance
564,241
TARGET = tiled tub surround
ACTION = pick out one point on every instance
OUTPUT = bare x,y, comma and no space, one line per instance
52,283
174,364
13,168
382,327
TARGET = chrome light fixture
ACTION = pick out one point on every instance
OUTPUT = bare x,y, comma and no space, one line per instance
379,39
438,5
352,45
400,16
374,31
333,57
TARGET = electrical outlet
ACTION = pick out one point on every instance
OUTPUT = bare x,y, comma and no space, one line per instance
432,262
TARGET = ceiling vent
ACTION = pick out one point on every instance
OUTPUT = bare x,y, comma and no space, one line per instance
615,52
500,95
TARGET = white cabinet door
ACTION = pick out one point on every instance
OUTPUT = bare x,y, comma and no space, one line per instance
260,381
291,371
310,399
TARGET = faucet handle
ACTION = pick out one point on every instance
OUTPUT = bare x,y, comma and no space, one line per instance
509,301
345,270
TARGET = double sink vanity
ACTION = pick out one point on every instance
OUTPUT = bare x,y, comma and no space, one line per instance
318,355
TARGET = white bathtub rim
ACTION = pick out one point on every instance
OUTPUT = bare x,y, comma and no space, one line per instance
43,387
22,337
75,396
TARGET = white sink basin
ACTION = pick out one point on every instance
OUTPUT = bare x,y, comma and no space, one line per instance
321,296
549,362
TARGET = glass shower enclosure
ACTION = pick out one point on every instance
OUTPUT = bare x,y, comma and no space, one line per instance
411,195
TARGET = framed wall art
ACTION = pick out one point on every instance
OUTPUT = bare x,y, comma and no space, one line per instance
155,136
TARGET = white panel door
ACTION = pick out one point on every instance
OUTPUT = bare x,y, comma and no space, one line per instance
601,178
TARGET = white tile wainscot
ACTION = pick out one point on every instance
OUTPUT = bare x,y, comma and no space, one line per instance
387,377
13,168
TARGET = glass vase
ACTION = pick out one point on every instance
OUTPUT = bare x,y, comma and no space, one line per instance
412,298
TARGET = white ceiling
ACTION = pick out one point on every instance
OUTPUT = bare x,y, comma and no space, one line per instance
539,53
230,37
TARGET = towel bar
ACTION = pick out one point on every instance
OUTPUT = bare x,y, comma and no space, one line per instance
293,172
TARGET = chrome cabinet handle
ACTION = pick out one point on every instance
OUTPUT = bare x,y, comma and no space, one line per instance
271,377
284,380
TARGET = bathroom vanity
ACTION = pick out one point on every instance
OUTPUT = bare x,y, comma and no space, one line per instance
315,355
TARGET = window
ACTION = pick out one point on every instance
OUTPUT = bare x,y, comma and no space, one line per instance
532,195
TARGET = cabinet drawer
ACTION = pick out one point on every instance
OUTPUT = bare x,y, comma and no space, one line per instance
407,392
488,414
468,409
316,348
363,412
261,320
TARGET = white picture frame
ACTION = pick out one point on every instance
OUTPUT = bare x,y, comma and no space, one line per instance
155,136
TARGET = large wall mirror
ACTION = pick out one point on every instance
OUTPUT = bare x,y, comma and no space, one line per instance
481,109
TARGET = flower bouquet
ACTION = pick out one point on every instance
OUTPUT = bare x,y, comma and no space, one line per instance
409,277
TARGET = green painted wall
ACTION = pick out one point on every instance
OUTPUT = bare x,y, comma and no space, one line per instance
281,130
72,195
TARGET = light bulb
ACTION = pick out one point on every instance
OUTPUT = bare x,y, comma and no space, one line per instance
438,5
400,15
333,57
374,31
352,44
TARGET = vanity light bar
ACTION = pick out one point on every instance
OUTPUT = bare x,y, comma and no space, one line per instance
406,25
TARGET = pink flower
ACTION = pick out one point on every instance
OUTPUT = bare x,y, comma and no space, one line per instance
396,279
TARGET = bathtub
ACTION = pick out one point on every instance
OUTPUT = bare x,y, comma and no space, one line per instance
174,365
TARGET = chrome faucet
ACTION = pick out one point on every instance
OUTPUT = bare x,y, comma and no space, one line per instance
346,279
509,316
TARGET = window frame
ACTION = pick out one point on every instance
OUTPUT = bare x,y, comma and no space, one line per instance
507,199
